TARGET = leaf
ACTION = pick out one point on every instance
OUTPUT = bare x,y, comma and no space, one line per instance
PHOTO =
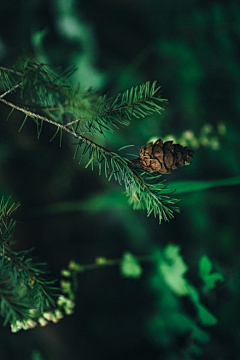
130,267
173,269
211,280
187,186
205,316
205,266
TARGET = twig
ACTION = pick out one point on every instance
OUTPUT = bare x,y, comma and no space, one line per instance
11,70
10,90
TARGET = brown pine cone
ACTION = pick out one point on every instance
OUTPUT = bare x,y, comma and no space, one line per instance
163,157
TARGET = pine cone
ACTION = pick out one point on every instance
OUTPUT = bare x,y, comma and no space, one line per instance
163,157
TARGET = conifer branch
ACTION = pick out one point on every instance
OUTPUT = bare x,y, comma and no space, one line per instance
27,296
50,97
7,70
30,113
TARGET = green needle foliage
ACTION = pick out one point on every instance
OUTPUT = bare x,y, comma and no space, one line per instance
27,296
45,96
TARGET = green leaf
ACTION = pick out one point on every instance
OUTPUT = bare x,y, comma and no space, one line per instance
130,266
206,318
205,266
173,269
210,281
183,187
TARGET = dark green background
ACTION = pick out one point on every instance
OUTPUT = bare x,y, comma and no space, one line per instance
192,49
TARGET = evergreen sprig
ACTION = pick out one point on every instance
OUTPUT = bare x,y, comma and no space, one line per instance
46,97
27,296
47,89
137,102
144,190
152,194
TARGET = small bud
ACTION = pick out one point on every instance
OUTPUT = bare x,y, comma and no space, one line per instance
58,313
70,304
48,316
222,128
68,311
66,285
214,143
24,325
101,261
66,273
194,143
31,324
75,267
19,324
54,319
188,134
206,129
61,300
33,312
204,141
14,328
42,321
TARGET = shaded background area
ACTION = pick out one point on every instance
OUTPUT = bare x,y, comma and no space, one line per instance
192,49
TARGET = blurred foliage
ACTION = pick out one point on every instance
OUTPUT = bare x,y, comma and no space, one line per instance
36,355
192,49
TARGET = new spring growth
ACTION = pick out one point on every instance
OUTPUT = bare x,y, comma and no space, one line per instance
24,324
64,304
67,304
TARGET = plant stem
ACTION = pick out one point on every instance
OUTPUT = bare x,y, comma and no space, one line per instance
102,263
